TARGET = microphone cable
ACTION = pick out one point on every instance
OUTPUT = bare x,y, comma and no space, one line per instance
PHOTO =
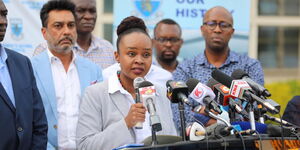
224,140
282,130
206,135
260,140
241,137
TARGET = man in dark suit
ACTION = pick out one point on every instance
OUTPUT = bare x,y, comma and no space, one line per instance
23,123
292,111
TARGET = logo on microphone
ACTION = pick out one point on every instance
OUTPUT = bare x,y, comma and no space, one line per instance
198,93
147,90
224,89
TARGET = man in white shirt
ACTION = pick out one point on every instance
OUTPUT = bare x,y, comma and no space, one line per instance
96,49
61,75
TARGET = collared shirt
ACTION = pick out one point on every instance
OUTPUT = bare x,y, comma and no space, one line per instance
156,75
67,91
114,85
5,76
100,52
199,68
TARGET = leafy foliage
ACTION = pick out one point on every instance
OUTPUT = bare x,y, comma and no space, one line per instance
282,92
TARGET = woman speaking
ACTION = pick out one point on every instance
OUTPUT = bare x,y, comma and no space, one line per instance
108,112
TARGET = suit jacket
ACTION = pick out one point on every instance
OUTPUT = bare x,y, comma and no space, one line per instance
292,111
88,73
23,127
101,123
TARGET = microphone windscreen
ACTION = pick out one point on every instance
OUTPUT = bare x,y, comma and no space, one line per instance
238,74
192,83
260,127
145,84
211,83
222,77
137,81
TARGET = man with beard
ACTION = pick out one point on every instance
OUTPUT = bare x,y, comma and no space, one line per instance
94,48
62,75
23,123
167,43
217,29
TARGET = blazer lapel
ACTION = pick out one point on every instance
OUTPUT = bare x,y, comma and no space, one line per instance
83,73
120,102
6,99
13,71
44,74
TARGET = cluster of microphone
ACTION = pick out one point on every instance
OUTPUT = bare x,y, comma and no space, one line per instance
238,96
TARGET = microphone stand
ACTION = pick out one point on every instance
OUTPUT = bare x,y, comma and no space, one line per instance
261,118
251,117
232,110
218,118
251,111
182,120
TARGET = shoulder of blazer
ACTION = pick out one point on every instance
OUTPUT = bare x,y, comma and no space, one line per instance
100,85
15,55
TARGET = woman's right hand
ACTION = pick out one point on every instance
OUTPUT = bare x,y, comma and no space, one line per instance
136,114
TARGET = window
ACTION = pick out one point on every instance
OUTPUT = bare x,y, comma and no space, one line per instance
108,6
279,7
108,32
278,47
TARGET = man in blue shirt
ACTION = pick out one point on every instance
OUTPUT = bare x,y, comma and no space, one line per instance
23,123
217,29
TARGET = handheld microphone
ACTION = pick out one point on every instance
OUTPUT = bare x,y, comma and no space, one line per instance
276,131
147,95
223,96
218,130
245,132
136,83
277,120
274,104
203,95
221,91
177,91
259,89
195,132
241,89
236,105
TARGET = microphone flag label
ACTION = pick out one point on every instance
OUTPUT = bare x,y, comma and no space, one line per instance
147,92
201,91
238,88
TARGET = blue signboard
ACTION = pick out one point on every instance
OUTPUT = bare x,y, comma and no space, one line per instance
189,14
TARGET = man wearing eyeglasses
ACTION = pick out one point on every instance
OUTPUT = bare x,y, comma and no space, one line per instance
217,29
167,43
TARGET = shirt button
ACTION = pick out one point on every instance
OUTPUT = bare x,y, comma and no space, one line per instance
55,126
20,129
